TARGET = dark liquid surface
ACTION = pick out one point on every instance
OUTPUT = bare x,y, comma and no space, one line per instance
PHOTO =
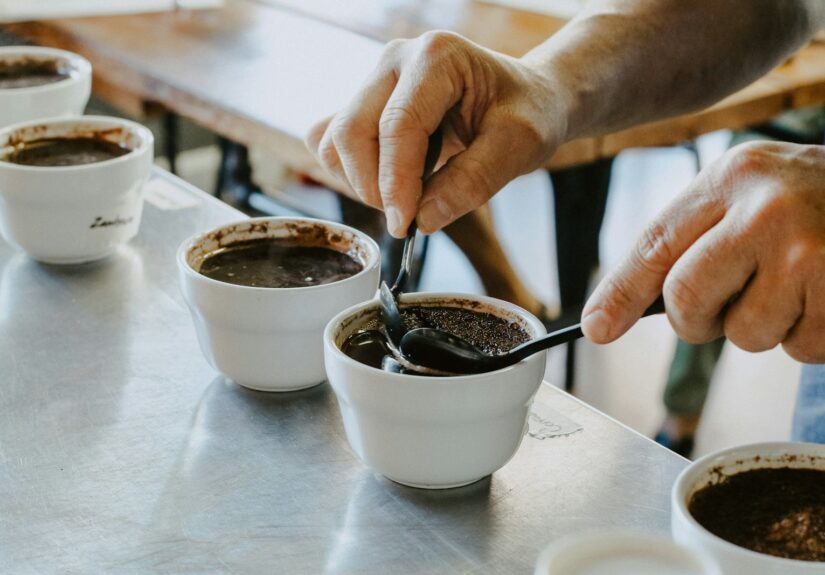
29,73
779,512
487,332
277,263
65,152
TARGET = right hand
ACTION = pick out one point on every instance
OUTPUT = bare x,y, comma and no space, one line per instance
740,253
501,118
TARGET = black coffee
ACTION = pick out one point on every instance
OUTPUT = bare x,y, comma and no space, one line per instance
779,512
489,333
65,152
27,73
276,263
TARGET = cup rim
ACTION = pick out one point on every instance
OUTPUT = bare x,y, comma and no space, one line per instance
679,491
81,64
614,538
146,141
400,378
374,255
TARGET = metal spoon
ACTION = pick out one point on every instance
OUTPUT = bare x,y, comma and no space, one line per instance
443,351
388,296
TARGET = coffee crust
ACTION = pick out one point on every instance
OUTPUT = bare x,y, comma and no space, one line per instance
31,72
776,511
54,152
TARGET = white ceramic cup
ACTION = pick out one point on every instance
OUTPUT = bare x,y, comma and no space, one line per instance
433,432
74,214
270,339
622,553
735,560
66,97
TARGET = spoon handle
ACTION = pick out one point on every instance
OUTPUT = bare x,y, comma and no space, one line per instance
406,260
568,334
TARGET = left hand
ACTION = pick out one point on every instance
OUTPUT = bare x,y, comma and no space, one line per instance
740,253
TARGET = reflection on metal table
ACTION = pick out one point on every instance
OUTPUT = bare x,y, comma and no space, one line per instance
122,451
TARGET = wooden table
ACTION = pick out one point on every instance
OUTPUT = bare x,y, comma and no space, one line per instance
260,74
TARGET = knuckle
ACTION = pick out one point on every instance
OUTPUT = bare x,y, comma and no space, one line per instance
804,256
328,155
653,250
618,294
479,184
392,50
313,137
804,342
803,352
682,299
750,158
396,121
747,334
772,211
436,42
346,130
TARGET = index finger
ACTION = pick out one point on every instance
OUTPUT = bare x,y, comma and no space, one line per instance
413,112
622,296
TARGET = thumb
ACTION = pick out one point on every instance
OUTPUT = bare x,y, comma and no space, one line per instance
624,294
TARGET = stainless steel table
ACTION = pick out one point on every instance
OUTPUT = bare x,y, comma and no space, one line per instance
122,451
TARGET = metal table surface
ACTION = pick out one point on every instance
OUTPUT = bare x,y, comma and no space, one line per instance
122,451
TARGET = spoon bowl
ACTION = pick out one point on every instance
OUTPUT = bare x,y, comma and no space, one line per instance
390,314
438,349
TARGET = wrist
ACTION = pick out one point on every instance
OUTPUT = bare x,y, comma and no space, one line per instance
553,103
562,105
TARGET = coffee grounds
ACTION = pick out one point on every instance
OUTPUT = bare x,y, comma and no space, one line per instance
29,73
489,333
54,152
276,263
778,512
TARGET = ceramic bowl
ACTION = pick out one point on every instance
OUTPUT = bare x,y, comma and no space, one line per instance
433,432
80,213
270,339
735,560
66,97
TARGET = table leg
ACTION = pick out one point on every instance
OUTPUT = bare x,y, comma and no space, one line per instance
235,174
235,180
171,136
580,197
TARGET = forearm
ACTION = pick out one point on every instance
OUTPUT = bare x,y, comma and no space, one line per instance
625,62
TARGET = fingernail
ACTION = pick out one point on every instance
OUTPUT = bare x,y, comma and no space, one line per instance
394,221
596,326
433,215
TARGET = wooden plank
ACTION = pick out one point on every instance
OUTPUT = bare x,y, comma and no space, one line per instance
576,152
805,72
500,28
262,74
242,71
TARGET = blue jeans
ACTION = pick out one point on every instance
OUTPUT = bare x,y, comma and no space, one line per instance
809,418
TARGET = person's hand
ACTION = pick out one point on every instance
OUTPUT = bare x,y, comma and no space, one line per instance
501,118
741,253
